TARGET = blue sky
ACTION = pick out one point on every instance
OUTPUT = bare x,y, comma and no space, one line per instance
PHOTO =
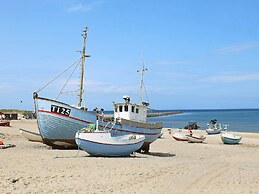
199,54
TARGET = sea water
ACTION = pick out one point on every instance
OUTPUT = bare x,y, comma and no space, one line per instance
244,120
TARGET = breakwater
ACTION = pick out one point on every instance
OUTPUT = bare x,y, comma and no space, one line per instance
158,114
110,117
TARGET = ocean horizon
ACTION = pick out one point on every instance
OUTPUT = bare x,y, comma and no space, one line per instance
242,120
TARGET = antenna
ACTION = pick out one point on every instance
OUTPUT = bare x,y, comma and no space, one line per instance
81,91
142,80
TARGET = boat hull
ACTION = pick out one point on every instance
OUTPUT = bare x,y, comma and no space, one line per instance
195,139
230,138
151,134
5,123
58,122
213,131
104,144
31,136
58,130
179,137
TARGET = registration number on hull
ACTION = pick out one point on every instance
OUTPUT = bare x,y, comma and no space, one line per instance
60,110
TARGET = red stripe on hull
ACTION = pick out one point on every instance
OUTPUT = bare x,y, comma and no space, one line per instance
74,118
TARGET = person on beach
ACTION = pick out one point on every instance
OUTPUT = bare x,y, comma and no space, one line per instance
102,116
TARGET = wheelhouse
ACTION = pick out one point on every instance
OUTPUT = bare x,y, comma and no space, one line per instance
130,111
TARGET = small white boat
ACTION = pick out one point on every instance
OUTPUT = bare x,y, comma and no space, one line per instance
195,139
4,146
108,143
179,137
160,135
229,138
31,136
216,128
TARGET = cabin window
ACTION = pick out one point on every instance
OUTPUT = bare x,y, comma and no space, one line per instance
136,110
126,108
120,108
132,109
116,109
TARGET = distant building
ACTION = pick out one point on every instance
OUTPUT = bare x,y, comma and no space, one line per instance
8,115
29,116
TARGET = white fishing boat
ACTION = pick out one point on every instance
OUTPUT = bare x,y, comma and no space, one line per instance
215,128
31,136
179,137
58,121
195,139
131,118
107,142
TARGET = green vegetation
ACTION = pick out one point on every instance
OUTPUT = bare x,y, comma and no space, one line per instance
24,112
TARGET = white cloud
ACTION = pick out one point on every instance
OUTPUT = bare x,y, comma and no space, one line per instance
234,77
99,87
104,87
6,87
238,47
83,7
174,62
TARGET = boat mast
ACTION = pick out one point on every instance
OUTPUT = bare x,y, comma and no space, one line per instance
141,81
81,91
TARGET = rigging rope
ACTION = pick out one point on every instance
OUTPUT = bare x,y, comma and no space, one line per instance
145,91
68,78
58,76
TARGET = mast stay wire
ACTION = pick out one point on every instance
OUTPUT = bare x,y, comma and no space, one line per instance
58,76
68,78
145,91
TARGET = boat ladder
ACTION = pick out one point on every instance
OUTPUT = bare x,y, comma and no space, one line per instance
109,128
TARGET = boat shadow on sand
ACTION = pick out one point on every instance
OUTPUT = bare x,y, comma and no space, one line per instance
160,154
138,155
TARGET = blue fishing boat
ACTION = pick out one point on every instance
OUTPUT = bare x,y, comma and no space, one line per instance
229,138
58,121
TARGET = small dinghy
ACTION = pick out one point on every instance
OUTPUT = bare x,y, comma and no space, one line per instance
160,135
31,136
4,146
229,138
195,139
179,137
103,143
215,128
5,123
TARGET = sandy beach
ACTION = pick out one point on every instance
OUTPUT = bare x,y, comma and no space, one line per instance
171,166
